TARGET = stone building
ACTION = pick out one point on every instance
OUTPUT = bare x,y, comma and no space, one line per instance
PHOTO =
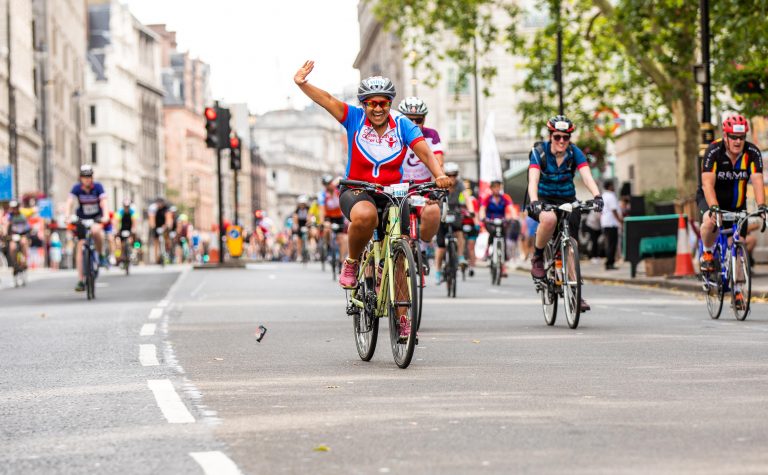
190,167
124,104
20,133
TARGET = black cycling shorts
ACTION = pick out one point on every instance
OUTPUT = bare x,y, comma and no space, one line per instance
351,196
340,222
445,228
727,225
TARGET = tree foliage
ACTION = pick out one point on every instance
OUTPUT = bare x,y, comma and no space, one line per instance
631,55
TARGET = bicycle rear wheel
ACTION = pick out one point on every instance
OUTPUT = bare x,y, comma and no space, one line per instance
499,251
403,311
547,289
495,268
88,272
715,290
126,258
571,283
740,274
365,322
451,265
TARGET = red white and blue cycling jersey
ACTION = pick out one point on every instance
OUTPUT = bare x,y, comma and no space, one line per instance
89,201
413,168
374,158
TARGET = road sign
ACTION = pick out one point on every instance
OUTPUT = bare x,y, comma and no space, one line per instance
235,241
6,183
607,121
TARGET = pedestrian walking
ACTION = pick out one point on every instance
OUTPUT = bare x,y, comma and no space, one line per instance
594,228
610,220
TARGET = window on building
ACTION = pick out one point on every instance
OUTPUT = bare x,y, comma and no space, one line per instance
93,115
454,87
94,150
459,126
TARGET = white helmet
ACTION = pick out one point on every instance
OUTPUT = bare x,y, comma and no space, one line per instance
451,168
412,106
302,200
376,86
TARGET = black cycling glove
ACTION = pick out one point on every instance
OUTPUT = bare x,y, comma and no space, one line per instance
599,203
534,208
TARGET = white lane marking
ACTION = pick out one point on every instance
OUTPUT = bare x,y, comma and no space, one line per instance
652,314
163,303
155,313
148,329
169,402
148,355
215,463
198,288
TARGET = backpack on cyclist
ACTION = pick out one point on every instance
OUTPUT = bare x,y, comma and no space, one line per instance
538,147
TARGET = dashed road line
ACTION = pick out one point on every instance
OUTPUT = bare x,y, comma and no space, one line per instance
148,355
155,313
215,463
148,329
169,402
163,303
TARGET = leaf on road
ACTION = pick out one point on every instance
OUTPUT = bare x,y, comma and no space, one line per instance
322,448
475,341
219,359
43,315
332,387
260,332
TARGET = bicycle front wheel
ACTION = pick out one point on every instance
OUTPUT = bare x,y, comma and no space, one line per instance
418,259
715,289
451,265
366,323
741,277
500,259
547,290
571,282
401,305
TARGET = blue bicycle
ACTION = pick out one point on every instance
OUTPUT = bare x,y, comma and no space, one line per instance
732,271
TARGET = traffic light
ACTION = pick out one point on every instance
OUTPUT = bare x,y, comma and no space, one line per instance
749,85
234,152
211,126
222,126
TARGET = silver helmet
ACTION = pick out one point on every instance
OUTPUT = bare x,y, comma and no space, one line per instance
412,106
376,86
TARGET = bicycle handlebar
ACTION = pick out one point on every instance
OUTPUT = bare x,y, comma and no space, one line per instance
740,216
588,205
420,187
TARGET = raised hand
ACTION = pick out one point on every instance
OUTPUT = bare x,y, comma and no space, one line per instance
301,75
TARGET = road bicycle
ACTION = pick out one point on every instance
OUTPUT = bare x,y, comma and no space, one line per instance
497,251
125,250
416,203
732,268
387,278
90,259
452,219
333,252
563,270
163,257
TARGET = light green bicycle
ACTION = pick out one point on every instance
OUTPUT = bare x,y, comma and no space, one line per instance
387,277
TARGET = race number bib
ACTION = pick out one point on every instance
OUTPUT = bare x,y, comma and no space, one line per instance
91,209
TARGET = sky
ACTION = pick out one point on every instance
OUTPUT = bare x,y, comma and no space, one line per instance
254,47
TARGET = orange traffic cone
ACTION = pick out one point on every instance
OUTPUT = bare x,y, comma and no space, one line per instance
683,260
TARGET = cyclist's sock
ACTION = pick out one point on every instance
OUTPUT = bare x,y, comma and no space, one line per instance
737,288
708,248
351,261
538,252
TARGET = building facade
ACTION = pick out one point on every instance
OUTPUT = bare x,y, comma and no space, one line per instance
190,167
124,105
20,134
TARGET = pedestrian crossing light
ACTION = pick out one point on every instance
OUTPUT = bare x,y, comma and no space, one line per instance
235,148
211,134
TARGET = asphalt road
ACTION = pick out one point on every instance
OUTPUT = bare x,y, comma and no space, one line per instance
647,383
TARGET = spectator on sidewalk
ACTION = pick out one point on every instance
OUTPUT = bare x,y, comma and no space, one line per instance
610,220
594,229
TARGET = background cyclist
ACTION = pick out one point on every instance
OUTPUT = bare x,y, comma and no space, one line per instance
330,213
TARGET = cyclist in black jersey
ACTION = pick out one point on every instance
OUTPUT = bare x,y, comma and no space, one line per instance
729,163
300,218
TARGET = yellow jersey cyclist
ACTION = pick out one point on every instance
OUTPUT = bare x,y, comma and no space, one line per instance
378,140
553,166
728,164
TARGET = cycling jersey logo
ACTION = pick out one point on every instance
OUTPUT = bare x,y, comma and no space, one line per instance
411,160
378,150
733,175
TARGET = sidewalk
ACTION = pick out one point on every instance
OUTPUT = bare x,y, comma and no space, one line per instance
596,271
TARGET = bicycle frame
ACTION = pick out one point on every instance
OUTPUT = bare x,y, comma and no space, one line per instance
726,247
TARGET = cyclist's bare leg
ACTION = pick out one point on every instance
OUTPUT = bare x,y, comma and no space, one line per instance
79,259
460,241
341,240
708,230
364,220
547,223
430,222
439,254
97,231
471,253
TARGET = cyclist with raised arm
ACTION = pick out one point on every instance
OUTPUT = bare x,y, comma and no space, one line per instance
330,214
553,166
378,141
729,163
91,204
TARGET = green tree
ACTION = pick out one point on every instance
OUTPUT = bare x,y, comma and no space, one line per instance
633,55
